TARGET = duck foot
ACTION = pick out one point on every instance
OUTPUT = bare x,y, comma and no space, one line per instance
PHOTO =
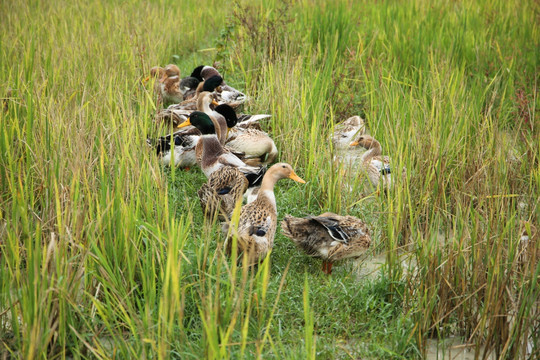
327,267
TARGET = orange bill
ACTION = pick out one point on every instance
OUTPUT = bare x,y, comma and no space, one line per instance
354,143
214,102
297,178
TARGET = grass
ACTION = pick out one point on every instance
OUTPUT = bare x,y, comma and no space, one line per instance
105,254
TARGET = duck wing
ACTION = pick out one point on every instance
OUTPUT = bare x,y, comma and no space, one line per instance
332,226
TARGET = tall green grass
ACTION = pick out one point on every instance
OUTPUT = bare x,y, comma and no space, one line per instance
104,254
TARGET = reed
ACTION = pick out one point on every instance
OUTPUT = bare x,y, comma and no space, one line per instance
105,254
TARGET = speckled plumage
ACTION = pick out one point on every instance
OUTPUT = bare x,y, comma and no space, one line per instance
328,236
223,190
258,220
170,92
258,148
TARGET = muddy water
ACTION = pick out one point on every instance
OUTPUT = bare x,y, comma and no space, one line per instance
452,348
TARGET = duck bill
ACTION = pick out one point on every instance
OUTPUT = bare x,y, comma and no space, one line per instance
296,178
184,124
354,143
146,79
214,102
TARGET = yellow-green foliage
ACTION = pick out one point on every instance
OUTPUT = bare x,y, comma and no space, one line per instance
104,253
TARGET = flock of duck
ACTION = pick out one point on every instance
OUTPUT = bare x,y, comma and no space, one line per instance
234,154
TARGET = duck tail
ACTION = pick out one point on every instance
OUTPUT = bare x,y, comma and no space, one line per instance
255,178
286,225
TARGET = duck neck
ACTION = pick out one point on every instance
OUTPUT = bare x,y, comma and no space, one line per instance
211,148
374,150
203,105
267,188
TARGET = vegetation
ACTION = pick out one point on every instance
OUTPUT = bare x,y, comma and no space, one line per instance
105,254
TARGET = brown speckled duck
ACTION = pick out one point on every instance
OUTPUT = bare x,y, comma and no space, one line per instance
258,220
222,192
328,236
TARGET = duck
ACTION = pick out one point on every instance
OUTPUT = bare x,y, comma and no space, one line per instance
228,94
161,75
209,85
178,113
203,72
222,192
170,90
346,131
328,236
188,87
211,155
256,147
376,166
178,149
258,220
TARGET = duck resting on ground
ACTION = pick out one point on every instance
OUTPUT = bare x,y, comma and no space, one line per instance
328,236
228,94
256,146
181,152
211,155
258,220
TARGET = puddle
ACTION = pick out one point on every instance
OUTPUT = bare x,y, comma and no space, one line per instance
451,348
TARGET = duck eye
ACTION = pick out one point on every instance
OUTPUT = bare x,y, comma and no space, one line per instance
284,166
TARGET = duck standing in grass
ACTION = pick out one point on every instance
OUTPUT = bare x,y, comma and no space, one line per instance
328,236
258,219
376,166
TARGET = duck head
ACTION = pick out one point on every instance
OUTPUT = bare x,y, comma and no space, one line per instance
201,121
366,141
172,70
196,73
228,113
213,83
283,171
157,72
208,71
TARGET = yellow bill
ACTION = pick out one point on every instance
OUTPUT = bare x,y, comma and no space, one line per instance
184,124
214,102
